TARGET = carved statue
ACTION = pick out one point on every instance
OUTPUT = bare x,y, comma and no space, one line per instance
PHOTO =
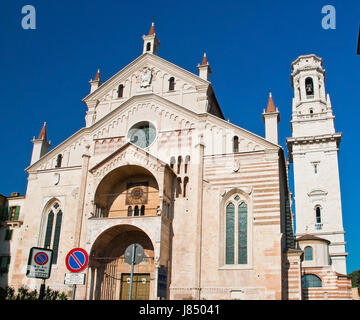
145,77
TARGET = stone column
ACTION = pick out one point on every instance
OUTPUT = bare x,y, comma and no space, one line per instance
198,263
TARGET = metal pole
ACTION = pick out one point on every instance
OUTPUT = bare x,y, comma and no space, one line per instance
73,292
132,270
42,290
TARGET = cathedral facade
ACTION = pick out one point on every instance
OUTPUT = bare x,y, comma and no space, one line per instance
158,165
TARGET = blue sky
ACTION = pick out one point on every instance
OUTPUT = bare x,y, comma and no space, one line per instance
250,46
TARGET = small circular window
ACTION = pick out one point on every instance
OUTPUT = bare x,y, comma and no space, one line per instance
142,134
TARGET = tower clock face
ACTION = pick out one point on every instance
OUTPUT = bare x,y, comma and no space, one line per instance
142,134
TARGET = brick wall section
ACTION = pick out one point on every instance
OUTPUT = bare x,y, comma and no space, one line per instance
334,285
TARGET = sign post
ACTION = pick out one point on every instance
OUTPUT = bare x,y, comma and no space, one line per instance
134,254
39,266
76,261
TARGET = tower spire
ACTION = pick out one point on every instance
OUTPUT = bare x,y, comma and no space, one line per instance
40,145
152,29
43,133
270,105
97,77
271,119
151,42
96,83
204,68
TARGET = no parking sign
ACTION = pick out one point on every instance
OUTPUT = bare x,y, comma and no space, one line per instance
77,260
39,263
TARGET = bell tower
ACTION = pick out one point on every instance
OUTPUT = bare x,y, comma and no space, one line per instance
313,150
151,41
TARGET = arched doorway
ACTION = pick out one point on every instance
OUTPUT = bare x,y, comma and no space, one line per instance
110,273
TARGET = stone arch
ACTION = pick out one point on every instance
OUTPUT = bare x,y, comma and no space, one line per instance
108,268
115,189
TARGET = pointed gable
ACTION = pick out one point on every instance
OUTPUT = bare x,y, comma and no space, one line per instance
151,74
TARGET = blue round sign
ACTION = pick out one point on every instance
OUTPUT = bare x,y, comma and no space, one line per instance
76,260
41,258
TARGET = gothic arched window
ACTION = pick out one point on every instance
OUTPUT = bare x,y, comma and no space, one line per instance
53,229
236,232
309,86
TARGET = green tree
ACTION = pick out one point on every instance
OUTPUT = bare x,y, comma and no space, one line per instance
355,278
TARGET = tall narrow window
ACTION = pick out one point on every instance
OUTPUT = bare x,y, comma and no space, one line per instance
186,181
179,164
308,253
172,162
136,211
120,91
318,224
178,187
172,84
129,211
148,46
49,228
142,210
230,234
236,144
53,230
58,161
236,235
315,168
57,236
309,86
187,160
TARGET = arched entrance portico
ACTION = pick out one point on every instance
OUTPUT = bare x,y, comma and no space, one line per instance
131,197
109,271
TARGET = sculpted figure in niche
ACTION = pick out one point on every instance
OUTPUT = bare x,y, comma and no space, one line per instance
145,77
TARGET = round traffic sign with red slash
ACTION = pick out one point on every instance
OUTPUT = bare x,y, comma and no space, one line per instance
77,260
41,258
